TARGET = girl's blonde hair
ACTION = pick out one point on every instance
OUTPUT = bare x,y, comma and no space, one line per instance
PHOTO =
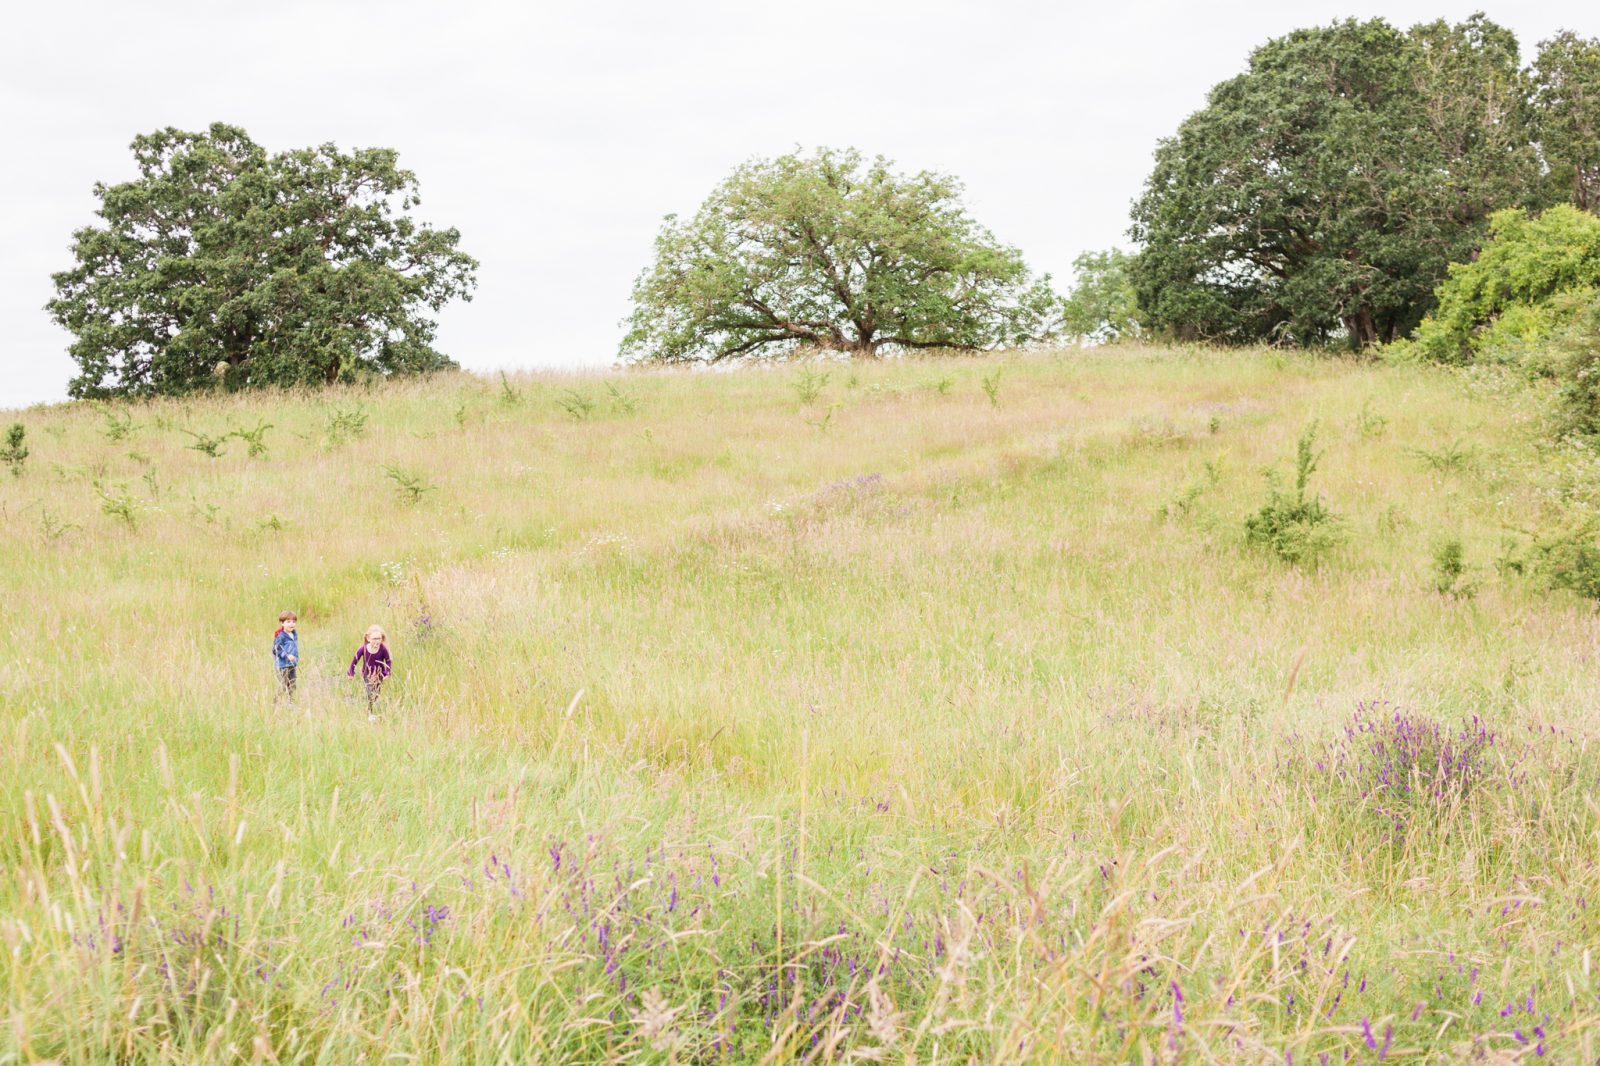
375,629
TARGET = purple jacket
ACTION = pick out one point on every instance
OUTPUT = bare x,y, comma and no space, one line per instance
374,667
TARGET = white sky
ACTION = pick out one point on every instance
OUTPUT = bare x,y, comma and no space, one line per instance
556,136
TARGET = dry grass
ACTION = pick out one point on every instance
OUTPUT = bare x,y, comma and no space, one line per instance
728,729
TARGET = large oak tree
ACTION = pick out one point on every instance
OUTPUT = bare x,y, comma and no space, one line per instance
828,250
224,263
1323,192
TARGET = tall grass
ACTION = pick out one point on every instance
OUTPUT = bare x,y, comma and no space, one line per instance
939,736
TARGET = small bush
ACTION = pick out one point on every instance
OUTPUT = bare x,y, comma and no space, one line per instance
1568,559
15,452
1449,567
1578,369
1296,527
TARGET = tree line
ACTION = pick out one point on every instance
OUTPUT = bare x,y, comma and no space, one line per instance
1319,197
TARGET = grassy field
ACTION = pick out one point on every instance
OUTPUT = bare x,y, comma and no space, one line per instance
937,717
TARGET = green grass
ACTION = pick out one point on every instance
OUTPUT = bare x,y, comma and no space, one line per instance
965,726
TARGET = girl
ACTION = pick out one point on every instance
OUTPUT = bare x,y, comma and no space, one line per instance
373,658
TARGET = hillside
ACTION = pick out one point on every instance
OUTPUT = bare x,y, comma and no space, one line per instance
897,723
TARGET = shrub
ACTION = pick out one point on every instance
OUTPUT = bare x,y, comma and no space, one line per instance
1577,351
16,450
1296,527
1449,566
1569,559
1520,289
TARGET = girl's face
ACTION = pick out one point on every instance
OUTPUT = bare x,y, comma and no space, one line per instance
374,641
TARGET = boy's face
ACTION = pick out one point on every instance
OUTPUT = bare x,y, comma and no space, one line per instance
288,625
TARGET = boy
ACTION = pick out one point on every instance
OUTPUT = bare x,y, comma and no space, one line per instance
286,651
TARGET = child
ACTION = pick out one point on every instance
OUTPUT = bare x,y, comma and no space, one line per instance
286,651
373,658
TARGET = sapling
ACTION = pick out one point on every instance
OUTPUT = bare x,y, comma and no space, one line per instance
207,444
1297,528
991,386
575,404
411,486
254,439
808,383
15,453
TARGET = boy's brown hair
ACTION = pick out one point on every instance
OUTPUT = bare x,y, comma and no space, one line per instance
288,616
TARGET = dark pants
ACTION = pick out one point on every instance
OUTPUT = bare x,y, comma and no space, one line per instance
373,685
286,680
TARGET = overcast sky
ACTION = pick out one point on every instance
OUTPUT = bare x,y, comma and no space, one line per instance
556,136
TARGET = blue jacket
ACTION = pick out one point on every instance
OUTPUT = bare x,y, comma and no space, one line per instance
286,649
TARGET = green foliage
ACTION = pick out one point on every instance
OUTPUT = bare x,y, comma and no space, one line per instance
53,526
1102,304
1448,457
621,402
1577,367
831,251
1532,276
224,263
991,385
1296,527
411,486
1321,194
117,427
1369,423
576,404
1566,99
255,439
15,452
510,395
118,503
1567,558
808,384
346,425
207,444
1449,566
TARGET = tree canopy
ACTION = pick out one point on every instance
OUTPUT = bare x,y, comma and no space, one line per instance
1322,193
222,262
1101,304
831,251
1566,98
